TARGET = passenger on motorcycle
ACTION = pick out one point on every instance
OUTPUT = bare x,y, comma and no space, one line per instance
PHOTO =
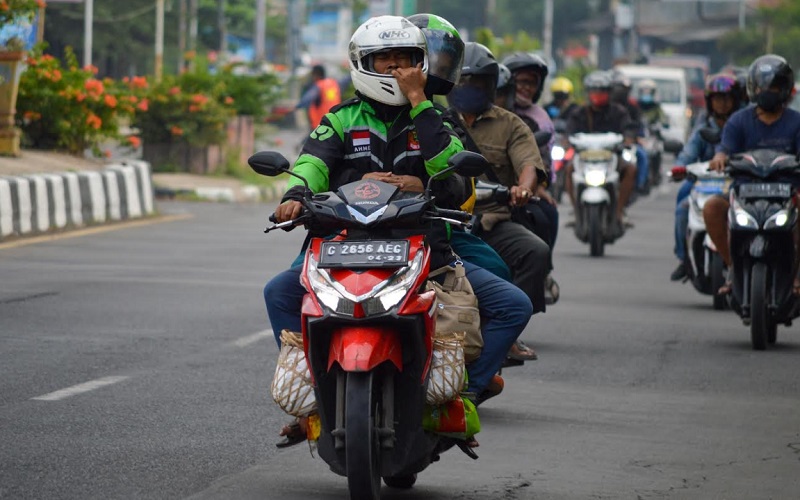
621,94
562,105
722,95
770,124
647,98
391,132
601,115
508,144
543,207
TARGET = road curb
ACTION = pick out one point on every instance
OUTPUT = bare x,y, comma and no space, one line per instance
243,193
37,203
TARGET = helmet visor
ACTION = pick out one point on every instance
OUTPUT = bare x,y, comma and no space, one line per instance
400,54
445,54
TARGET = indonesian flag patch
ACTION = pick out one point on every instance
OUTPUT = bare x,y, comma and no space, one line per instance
360,140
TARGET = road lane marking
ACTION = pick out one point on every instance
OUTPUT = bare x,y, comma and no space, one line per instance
80,388
252,339
93,230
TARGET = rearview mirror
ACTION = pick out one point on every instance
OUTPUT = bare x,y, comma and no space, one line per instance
468,164
542,137
673,146
711,136
269,163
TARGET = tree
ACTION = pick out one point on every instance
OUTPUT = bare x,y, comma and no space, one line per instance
777,31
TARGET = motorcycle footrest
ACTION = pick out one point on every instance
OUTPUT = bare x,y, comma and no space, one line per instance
462,445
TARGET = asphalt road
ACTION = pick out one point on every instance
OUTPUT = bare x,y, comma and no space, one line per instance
135,364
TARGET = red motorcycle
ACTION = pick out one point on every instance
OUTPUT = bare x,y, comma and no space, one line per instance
368,323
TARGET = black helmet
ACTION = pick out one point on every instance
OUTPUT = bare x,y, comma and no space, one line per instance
503,77
445,52
597,80
519,61
477,88
480,62
770,71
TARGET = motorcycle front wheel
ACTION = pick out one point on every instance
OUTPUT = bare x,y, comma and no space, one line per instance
362,446
595,224
762,328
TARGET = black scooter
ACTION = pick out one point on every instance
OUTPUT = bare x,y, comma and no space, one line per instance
762,219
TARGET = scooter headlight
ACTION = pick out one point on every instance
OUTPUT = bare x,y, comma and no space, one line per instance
325,290
396,287
595,176
557,153
777,220
742,217
628,155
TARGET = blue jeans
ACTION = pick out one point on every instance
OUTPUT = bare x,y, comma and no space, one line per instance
642,167
682,219
504,308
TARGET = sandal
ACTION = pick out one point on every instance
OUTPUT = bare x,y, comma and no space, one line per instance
726,288
551,290
293,433
520,352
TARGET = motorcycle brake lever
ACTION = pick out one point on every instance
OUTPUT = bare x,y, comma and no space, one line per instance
287,225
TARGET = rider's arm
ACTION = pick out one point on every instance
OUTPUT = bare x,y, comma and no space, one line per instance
437,139
322,150
524,155
691,150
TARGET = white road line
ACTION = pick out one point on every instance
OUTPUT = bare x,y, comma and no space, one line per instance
252,339
80,388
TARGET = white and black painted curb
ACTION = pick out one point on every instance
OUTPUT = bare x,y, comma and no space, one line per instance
42,202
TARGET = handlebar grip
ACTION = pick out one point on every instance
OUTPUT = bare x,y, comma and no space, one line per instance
454,214
273,219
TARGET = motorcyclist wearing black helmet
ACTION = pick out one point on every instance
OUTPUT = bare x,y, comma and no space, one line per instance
621,94
602,115
507,142
770,124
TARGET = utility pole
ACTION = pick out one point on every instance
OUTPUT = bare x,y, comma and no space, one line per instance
192,45
221,24
181,34
547,31
88,18
261,30
159,63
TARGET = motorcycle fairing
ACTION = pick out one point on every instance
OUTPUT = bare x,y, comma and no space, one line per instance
362,348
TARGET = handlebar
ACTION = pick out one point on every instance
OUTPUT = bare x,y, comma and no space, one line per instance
458,215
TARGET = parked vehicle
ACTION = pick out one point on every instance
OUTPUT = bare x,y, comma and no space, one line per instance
596,181
369,325
762,219
696,67
703,263
672,94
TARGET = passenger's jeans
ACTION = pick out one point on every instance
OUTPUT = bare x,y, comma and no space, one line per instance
642,166
504,309
682,219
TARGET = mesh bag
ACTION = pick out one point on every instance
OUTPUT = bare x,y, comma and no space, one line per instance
447,368
291,386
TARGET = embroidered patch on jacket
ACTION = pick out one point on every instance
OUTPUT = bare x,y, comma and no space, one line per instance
413,141
360,140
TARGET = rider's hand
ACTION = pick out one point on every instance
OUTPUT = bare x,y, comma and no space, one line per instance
718,162
409,183
412,83
288,210
520,196
544,194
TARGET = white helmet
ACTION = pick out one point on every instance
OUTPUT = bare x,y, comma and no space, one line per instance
375,35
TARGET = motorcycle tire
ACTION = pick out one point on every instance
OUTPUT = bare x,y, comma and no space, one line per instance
362,446
401,482
595,226
760,322
717,280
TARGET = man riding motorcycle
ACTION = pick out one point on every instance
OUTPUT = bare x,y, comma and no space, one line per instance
562,105
391,132
770,124
602,115
621,94
722,99
508,144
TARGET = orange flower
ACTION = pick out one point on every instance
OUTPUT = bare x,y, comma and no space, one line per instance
134,141
189,55
199,99
56,75
94,87
110,101
229,100
125,79
176,130
139,82
107,153
194,108
143,105
133,99
93,69
80,96
174,91
41,3
94,121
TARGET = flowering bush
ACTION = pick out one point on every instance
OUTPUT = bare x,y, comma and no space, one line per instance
15,10
66,107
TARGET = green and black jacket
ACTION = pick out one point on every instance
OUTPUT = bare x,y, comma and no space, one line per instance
361,136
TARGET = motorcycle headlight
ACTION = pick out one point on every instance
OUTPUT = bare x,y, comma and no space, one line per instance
595,176
778,219
557,153
628,155
742,218
380,299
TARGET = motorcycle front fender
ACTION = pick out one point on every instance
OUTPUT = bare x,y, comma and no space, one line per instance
362,348
595,195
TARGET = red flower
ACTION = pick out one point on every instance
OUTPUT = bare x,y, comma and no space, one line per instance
134,141
111,101
176,130
94,121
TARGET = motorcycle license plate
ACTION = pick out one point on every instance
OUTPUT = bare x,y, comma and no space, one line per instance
765,190
369,253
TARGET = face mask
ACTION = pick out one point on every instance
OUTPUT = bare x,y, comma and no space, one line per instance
646,99
769,101
523,102
469,99
598,99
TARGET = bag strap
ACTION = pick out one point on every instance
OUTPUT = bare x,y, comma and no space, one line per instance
453,280
470,144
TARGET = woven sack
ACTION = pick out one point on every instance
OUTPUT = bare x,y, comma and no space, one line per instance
291,386
457,308
447,369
